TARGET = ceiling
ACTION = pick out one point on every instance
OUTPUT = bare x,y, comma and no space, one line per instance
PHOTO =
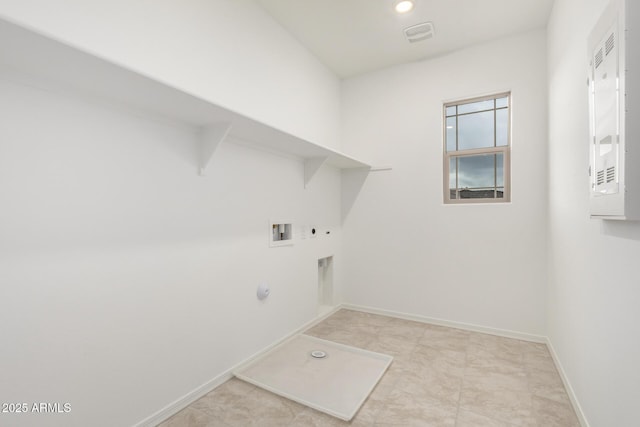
357,36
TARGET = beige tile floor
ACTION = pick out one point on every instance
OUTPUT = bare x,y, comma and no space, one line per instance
439,377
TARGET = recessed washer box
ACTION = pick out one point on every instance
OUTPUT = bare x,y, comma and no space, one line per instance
280,233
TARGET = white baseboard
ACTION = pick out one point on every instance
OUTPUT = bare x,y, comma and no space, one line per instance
186,400
451,324
567,385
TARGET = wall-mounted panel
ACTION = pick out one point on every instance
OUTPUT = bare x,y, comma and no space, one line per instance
613,113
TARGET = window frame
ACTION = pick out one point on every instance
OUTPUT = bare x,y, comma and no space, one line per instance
505,150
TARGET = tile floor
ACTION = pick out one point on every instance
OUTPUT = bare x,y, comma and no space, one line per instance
439,377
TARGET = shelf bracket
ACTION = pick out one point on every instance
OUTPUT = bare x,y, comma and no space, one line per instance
311,166
210,138
380,168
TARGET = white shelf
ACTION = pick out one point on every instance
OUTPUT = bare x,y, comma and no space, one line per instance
26,54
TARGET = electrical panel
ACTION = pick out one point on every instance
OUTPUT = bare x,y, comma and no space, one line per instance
614,112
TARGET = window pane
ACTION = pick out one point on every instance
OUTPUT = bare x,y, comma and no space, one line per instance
451,111
476,171
475,131
451,133
502,127
500,170
502,102
476,176
475,106
452,176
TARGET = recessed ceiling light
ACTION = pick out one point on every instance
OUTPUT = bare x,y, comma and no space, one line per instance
403,6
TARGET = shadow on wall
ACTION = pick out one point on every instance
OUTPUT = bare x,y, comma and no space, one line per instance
352,182
623,229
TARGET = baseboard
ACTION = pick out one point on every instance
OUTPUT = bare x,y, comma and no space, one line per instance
451,324
186,400
567,385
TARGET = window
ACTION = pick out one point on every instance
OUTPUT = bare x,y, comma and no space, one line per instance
476,150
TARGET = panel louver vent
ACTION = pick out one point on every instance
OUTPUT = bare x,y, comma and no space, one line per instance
419,32
611,174
600,177
609,44
598,58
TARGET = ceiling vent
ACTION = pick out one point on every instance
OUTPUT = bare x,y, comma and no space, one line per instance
417,33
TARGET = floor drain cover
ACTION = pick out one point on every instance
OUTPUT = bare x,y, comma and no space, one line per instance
318,354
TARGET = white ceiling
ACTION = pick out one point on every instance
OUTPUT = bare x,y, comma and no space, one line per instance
357,36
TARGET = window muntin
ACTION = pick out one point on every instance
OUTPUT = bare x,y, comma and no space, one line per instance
476,150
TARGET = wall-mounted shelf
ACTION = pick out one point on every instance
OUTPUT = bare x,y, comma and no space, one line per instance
25,54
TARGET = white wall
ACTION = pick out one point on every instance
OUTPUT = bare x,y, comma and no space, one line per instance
406,251
230,52
594,291
128,280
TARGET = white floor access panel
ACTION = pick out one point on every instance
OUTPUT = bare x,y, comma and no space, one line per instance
329,377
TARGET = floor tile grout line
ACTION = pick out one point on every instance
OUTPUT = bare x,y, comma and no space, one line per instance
464,373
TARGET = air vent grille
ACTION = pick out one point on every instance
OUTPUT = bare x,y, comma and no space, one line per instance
609,44
611,174
600,177
420,32
598,58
